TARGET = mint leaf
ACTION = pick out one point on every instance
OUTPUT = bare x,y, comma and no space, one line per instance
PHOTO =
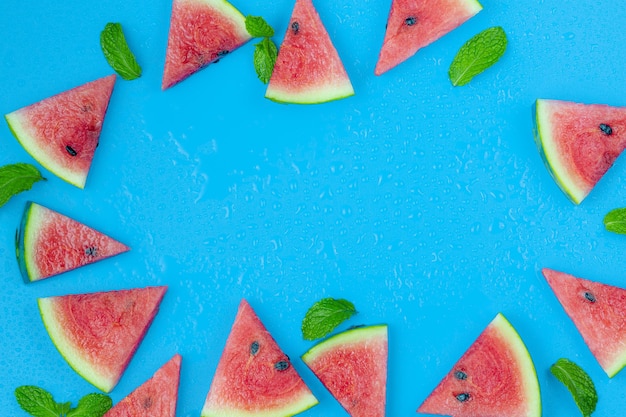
324,316
265,53
615,221
258,27
16,178
91,405
477,54
39,402
117,52
578,383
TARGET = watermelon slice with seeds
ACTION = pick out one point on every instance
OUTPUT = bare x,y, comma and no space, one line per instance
412,25
98,333
62,132
157,397
599,313
352,365
49,243
254,377
201,32
494,377
308,68
579,142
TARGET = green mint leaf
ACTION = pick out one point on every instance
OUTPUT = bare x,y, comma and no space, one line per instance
324,316
258,27
38,402
16,178
615,221
265,53
477,54
117,52
578,383
91,405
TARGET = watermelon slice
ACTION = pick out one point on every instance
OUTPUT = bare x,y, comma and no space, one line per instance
156,397
352,365
308,68
201,32
49,243
98,333
599,312
579,142
62,132
494,377
412,25
254,377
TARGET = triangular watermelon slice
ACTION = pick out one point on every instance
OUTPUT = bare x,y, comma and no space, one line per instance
157,397
98,333
254,377
62,132
49,243
579,142
413,24
598,312
308,68
201,32
352,365
494,377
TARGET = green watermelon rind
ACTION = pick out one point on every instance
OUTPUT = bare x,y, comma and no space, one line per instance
296,406
550,155
315,95
350,336
23,238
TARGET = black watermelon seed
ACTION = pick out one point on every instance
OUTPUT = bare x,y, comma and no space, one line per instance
590,297
460,375
295,27
91,251
463,397
223,52
70,150
254,348
606,129
410,21
281,365
147,403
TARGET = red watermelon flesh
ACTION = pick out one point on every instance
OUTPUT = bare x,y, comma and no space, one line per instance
254,377
352,365
49,243
156,397
495,377
201,32
598,312
579,142
413,24
62,132
98,333
308,68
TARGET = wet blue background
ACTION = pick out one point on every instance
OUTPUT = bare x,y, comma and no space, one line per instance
426,205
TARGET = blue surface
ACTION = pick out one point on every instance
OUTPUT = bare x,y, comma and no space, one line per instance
426,205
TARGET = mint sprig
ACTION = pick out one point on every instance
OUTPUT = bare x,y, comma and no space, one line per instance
615,221
117,53
265,52
16,178
40,403
477,54
324,316
579,384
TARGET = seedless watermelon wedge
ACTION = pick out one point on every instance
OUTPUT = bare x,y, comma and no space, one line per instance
201,32
254,377
412,25
494,377
579,142
49,243
98,333
352,365
308,68
62,132
598,312
157,397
